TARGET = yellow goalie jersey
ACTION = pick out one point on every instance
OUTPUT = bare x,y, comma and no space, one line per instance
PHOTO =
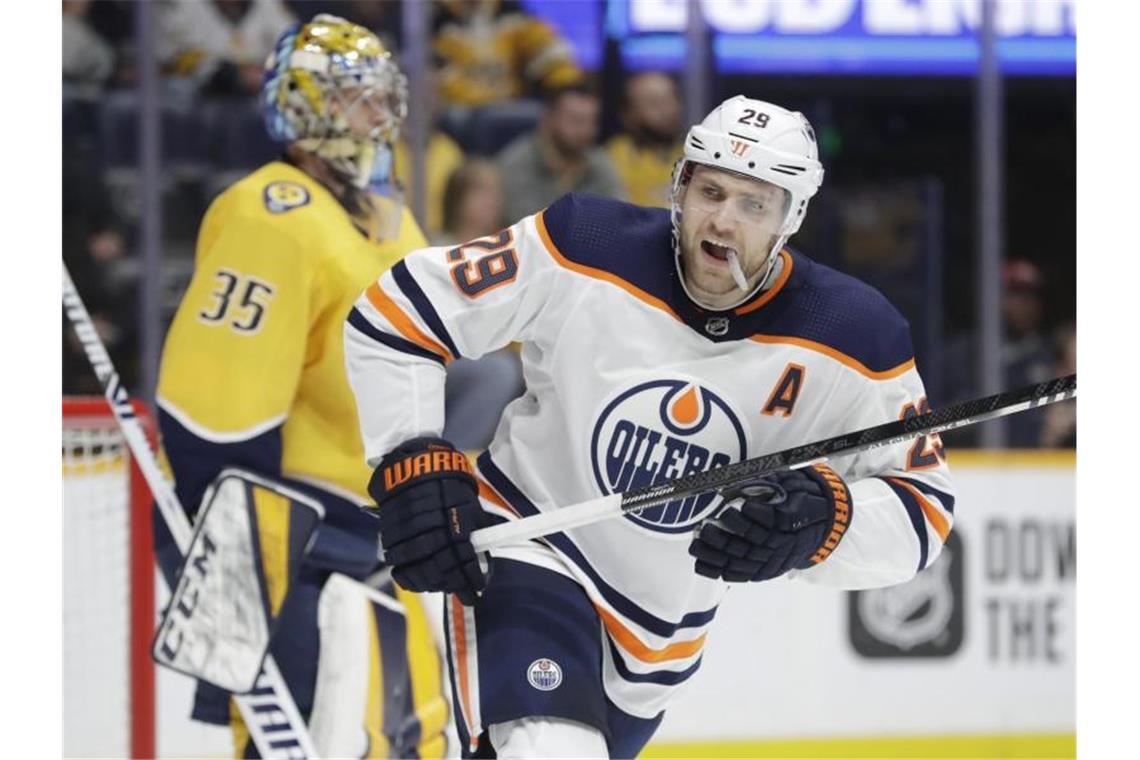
253,375
257,341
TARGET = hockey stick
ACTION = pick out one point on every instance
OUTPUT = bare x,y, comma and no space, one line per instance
274,722
938,421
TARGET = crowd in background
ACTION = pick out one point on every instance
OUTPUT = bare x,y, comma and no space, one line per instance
516,124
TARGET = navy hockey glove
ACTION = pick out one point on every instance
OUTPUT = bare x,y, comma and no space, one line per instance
787,520
428,504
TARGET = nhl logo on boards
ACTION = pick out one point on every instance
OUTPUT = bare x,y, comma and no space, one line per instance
923,617
544,674
651,432
717,326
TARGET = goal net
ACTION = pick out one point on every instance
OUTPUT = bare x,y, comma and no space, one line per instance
108,589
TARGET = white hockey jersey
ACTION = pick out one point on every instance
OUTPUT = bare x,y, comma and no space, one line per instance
630,383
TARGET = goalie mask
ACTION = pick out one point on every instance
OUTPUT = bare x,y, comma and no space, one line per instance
757,141
322,77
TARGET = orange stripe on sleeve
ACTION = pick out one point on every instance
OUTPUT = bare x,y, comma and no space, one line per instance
402,322
936,518
679,650
599,274
488,493
458,627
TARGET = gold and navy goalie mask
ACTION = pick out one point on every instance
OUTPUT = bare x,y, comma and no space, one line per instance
331,87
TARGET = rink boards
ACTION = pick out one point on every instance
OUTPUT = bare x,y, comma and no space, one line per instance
974,657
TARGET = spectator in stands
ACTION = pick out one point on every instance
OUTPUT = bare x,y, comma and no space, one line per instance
218,47
477,389
88,60
381,17
488,51
96,255
559,157
1027,352
472,203
442,157
650,141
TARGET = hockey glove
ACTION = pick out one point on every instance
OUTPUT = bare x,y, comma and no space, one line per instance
428,504
787,520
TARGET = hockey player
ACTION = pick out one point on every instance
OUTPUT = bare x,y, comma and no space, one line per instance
656,344
253,375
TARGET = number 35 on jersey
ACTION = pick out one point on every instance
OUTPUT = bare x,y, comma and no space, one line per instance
238,302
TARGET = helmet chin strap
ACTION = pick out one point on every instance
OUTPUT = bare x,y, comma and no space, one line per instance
773,259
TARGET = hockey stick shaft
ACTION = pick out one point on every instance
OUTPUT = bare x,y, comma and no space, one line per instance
887,434
269,703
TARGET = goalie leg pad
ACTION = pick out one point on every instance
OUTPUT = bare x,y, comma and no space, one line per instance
378,686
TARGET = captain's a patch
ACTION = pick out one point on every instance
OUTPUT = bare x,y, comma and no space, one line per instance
285,196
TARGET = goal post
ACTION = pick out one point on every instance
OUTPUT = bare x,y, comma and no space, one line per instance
109,587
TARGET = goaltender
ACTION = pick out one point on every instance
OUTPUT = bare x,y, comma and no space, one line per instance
253,376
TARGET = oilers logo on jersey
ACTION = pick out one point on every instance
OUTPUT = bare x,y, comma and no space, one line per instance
660,430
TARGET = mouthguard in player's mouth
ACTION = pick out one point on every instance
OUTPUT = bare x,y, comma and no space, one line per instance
728,255
737,273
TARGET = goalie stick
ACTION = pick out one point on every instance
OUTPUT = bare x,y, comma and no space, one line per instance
274,722
937,421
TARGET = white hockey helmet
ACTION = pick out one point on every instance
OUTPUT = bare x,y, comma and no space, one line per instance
759,140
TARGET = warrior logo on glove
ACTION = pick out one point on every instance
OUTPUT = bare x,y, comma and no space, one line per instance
428,503
787,520
436,459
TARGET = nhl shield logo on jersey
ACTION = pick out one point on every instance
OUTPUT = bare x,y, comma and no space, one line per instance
661,430
717,326
284,196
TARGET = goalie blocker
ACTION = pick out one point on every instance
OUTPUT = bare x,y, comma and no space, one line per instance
247,548
253,540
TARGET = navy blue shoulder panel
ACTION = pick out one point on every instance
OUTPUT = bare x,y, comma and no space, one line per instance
632,242
816,303
825,306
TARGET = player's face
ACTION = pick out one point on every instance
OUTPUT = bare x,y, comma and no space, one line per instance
367,110
722,211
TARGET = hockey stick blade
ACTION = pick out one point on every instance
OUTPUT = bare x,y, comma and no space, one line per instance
274,722
889,433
